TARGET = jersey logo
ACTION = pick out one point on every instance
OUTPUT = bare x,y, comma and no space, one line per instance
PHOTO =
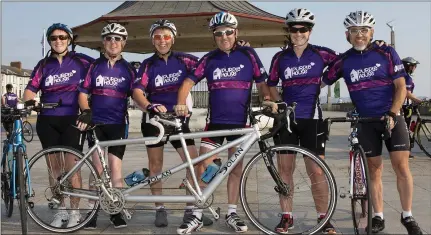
398,67
58,78
167,79
108,81
226,72
356,75
297,71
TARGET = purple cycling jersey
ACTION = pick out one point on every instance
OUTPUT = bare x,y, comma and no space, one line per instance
410,85
109,88
162,79
300,78
229,78
60,81
369,76
11,99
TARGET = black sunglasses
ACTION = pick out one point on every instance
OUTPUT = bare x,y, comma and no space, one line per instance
228,32
61,37
301,30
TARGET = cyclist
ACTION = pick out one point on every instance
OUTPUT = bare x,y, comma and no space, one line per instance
57,76
160,76
300,67
9,99
109,81
375,80
410,66
230,71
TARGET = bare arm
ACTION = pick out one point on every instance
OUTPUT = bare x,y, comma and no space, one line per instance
184,90
413,97
83,101
3,101
140,99
28,95
400,94
263,89
274,93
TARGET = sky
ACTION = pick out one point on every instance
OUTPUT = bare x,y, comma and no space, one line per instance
22,28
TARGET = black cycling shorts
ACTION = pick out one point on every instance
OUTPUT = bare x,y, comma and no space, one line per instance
58,130
370,137
111,132
149,130
215,142
8,126
308,133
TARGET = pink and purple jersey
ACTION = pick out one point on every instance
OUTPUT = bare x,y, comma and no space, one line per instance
369,76
162,79
109,88
300,78
60,81
230,78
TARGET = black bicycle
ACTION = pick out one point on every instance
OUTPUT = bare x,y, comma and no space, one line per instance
419,129
359,191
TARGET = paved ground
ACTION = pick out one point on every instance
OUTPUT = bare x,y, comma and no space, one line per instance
337,158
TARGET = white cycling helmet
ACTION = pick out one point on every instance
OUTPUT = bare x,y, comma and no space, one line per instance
114,28
223,19
163,24
300,15
359,18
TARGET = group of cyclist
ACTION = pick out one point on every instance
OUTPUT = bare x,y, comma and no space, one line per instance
374,74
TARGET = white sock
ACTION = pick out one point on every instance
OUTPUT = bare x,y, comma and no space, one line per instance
286,213
231,209
380,214
189,208
321,214
198,213
407,214
158,207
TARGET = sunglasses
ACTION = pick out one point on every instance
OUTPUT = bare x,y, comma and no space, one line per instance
54,38
301,30
113,38
165,37
356,31
228,32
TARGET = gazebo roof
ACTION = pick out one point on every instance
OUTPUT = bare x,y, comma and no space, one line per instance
191,18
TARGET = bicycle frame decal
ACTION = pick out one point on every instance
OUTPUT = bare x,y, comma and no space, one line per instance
231,161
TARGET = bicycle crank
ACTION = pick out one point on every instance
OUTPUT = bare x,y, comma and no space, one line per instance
110,206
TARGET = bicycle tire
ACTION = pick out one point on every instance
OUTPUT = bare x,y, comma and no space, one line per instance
78,154
418,136
332,187
22,200
27,126
6,182
359,151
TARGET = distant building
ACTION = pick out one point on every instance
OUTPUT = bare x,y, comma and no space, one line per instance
17,76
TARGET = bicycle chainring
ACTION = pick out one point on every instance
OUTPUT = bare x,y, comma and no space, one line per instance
207,203
110,206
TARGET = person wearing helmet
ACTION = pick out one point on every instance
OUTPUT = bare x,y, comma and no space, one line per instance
9,99
109,82
299,67
156,90
410,66
230,71
375,80
57,76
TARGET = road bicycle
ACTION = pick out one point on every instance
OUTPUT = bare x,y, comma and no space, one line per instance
258,182
419,129
359,191
14,162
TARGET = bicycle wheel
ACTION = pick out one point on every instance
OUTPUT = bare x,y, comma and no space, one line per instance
27,131
260,195
6,178
423,133
21,188
361,195
53,210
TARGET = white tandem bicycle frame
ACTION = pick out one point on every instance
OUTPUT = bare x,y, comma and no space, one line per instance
200,198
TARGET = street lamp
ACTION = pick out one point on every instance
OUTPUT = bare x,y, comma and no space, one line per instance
392,33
